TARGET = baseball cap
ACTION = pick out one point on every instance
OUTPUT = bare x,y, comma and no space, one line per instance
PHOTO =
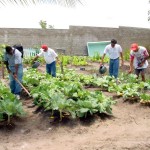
134,46
45,47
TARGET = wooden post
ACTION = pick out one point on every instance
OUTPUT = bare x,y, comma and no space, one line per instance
61,65
3,74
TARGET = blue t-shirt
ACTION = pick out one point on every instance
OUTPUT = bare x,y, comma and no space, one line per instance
13,59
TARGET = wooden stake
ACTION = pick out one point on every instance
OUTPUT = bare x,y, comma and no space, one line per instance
3,74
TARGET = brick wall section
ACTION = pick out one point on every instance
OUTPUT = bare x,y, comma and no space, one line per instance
74,40
82,35
29,38
130,35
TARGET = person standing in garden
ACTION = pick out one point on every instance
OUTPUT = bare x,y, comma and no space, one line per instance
138,60
50,57
13,61
115,51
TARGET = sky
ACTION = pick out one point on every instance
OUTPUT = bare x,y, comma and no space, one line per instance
96,13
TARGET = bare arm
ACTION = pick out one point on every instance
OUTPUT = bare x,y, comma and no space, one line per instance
35,58
146,56
101,63
131,66
16,71
6,63
122,61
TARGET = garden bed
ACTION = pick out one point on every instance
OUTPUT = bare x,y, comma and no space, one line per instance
128,128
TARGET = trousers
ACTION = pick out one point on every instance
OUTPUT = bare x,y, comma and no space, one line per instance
114,67
51,69
14,85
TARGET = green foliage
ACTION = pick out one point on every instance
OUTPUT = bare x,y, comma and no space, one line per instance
145,97
44,25
9,105
126,54
95,58
68,3
79,60
65,59
2,46
66,95
29,60
71,86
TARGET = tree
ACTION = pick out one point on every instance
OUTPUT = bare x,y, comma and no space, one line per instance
68,3
51,26
43,24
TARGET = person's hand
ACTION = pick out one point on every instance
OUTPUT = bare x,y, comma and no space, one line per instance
101,64
58,61
141,64
9,71
130,71
122,63
15,75
32,62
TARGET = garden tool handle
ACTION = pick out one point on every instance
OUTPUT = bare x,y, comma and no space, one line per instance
21,85
61,67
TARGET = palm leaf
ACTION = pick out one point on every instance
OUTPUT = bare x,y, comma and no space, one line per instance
68,3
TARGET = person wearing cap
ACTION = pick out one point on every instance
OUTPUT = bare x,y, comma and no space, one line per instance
138,60
50,57
114,51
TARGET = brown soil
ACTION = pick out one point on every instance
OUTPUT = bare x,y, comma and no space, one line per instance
127,129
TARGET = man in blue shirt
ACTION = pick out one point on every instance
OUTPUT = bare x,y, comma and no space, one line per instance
13,61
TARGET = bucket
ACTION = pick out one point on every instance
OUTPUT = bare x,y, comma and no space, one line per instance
36,64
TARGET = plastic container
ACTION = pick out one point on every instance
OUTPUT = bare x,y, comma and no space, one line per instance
102,69
36,64
96,47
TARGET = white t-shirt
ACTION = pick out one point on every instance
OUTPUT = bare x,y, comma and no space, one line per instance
138,57
49,55
114,52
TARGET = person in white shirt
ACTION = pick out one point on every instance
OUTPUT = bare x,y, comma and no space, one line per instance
114,51
138,60
50,57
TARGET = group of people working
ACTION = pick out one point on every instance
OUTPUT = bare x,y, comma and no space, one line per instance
138,59
13,61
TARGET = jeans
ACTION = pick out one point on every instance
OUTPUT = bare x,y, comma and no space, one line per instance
114,67
51,69
14,85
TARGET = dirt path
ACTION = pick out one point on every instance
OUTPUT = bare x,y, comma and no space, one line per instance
128,129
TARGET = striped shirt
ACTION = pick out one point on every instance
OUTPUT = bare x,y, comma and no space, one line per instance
138,57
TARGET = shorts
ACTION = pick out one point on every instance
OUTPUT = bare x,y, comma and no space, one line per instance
138,71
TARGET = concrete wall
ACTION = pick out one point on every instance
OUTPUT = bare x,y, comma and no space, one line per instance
74,39
82,35
130,35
